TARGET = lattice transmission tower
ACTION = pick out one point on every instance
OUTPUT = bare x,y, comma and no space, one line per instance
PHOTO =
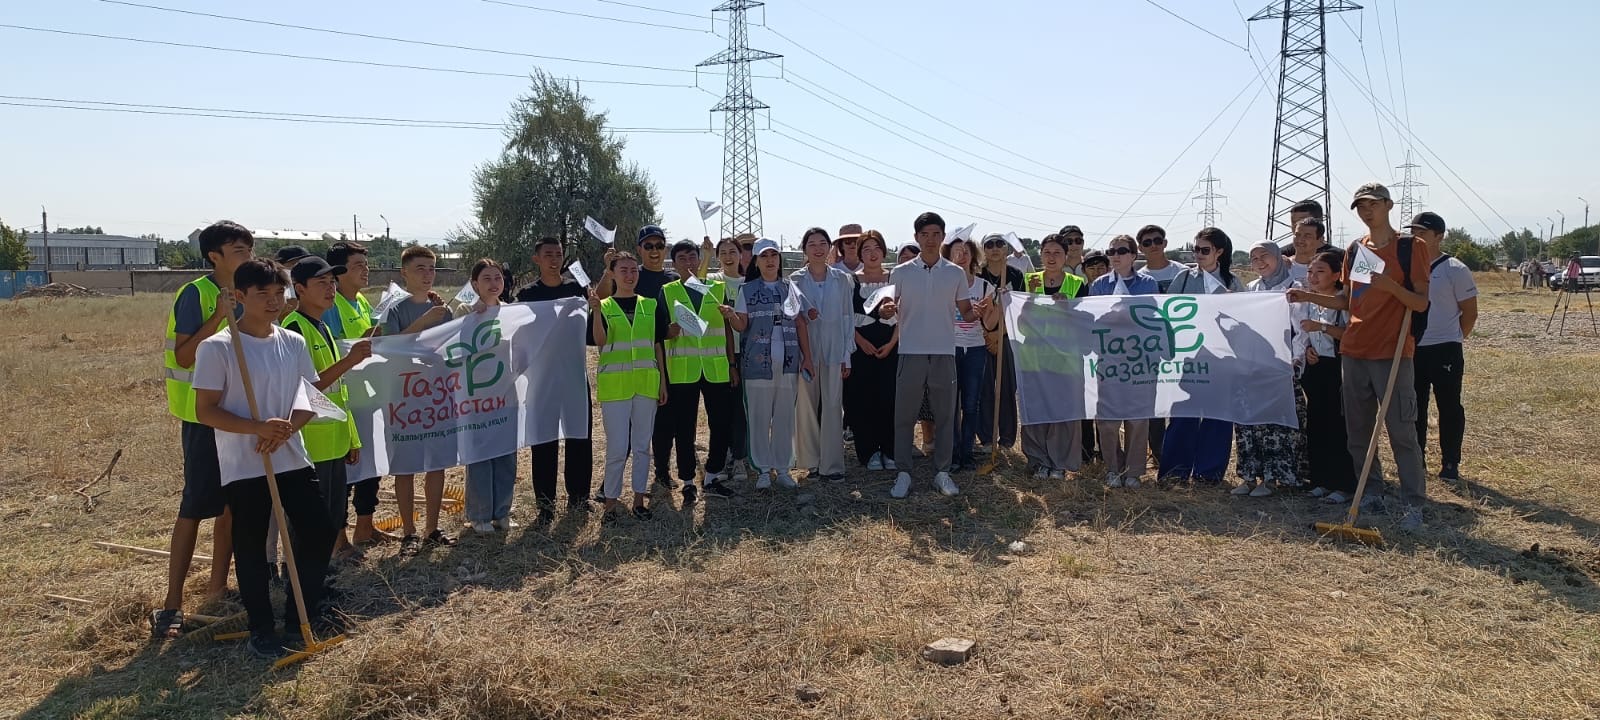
741,175
1208,212
1410,201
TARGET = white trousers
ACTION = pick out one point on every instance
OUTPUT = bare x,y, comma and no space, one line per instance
819,441
769,411
629,425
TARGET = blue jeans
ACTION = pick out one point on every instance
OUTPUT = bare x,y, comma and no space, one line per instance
970,364
490,484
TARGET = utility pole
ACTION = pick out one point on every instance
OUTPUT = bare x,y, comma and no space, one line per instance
1409,202
1563,221
1208,215
1552,226
1300,138
355,228
741,177
1585,211
385,226
44,229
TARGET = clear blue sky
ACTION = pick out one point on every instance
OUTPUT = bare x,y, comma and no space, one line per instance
1106,91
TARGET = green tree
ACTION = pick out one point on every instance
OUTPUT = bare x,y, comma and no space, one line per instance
559,165
1521,246
14,253
176,254
85,230
1460,244
1583,241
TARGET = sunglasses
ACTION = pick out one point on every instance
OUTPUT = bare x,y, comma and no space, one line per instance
652,246
1074,241
1199,250
1149,242
994,244
1119,251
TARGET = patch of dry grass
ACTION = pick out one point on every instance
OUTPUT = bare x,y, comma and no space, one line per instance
1174,603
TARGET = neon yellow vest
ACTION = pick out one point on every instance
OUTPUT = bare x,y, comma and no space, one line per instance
689,358
325,440
356,320
1069,284
180,394
627,364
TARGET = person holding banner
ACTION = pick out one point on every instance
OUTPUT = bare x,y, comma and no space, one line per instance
628,382
696,351
351,318
1198,449
422,310
1054,449
830,333
772,328
1072,239
551,284
731,256
491,484
330,445
1268,454
869,391
1124,443
998,272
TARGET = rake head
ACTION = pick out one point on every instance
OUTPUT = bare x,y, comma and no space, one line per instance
312,648
1346,531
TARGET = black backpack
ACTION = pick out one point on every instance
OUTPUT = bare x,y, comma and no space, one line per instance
1419,320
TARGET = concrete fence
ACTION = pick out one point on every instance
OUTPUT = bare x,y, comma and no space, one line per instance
128,282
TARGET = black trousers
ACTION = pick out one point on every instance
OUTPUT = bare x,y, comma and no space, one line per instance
1006,403
543,463
869,403
1440,368
677,421
1327,443
310,529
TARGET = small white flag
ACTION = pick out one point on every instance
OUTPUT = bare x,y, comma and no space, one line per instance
1015,242
1209,282
393,296
467,296
308,397
576,270
1366,264
288,291
695,282
963,233
687,320
599,231
707,208
881,294
791,303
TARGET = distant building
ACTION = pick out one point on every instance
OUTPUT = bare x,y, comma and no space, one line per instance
292,236
91,252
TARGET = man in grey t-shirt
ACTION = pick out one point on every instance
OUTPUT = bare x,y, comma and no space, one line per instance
1439,362
931,293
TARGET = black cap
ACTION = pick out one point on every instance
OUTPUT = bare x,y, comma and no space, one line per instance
290,253
1095,256
1428,221
312,266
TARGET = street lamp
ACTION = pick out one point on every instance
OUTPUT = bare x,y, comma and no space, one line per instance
1585,211
385,226
1563,221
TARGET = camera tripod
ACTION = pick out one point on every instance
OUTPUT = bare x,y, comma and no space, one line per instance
1564,304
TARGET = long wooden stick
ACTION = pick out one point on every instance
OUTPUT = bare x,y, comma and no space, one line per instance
114,547
1378,423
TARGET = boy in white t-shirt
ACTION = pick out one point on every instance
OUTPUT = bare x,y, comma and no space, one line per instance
280,368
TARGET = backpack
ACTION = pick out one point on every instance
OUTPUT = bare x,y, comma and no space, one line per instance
1419,319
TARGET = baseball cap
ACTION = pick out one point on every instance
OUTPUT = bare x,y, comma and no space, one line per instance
1095,257
909,246
312,266
290,253
650,231
1370,191
1069,229
851,230
1428,221
763,245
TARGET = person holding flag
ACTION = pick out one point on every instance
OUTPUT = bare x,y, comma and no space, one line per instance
696,351
776,350
830,331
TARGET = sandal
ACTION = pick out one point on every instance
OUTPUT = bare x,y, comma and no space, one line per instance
409,545
437,538
166,624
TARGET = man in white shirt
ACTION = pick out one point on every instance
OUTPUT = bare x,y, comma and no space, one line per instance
1310,238
932,292
282,378
1439,362
1153,244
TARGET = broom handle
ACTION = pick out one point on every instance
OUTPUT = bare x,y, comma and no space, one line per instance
277,502
1378,422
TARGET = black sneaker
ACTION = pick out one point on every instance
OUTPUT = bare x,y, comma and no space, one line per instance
690,494
437,538
265,645
721,490
643,512
1451,473
581,505
547,514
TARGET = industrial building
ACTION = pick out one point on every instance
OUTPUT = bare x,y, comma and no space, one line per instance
91,252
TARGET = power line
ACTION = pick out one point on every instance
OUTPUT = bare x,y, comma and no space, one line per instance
1383,47
386,38
935,118
1190,23
1367,67
597,17
659,10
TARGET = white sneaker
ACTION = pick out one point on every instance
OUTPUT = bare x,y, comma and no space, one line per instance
945,485
1042,474
503,524
888,464
1243,488
1261,490
1336,498
1056,475
875,462
763,480
785,480
902,486
1130,482
483,528
1113,480
1319,491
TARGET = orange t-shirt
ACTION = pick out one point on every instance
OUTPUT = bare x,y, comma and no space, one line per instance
1375,316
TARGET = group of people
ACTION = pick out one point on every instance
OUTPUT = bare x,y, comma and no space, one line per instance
796,368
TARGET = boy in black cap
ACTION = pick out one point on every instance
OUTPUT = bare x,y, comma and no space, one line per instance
1439,362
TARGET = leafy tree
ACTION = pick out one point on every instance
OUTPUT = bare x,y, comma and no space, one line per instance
177,254
558,166
1460,244
14,253
1583,241
1521,246
85,230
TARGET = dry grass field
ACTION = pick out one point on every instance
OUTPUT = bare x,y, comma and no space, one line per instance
1153,603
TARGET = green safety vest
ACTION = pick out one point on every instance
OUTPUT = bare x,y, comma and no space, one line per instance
1069,284
627,364
356,319
325,440
689,357
180,393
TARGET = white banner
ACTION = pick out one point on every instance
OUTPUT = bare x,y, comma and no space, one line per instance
472,389
1132,357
